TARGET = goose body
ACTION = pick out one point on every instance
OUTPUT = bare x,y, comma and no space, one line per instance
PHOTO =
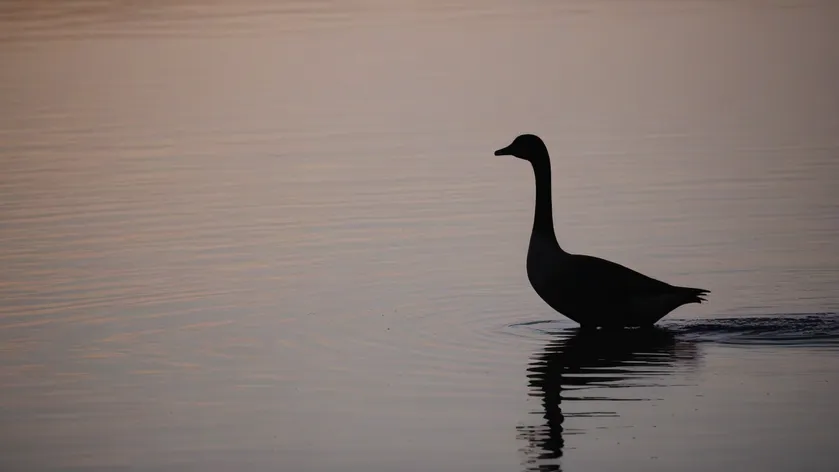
592,291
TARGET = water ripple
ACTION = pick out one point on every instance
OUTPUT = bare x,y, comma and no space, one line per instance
800,329
817,329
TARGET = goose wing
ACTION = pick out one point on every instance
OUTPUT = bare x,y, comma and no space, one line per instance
591,278
595,275
603,288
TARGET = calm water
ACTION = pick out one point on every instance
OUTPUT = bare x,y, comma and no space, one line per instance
271,235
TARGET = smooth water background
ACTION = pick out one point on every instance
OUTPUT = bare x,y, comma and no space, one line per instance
262,235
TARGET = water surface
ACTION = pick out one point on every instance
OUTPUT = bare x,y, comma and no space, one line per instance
273,236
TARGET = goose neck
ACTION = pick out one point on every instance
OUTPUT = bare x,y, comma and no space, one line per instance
543,215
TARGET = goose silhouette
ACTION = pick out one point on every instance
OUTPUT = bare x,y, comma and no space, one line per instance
594,292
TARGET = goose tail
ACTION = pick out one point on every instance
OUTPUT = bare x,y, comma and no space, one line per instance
694,295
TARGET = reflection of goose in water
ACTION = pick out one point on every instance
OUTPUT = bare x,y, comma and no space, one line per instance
587,360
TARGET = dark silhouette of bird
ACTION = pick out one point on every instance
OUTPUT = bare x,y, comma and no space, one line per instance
592,291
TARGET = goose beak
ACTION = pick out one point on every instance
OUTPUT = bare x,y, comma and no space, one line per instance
504,152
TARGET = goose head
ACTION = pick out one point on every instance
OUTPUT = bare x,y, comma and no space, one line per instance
528,147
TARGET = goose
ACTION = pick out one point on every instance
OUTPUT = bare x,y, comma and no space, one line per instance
591,291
